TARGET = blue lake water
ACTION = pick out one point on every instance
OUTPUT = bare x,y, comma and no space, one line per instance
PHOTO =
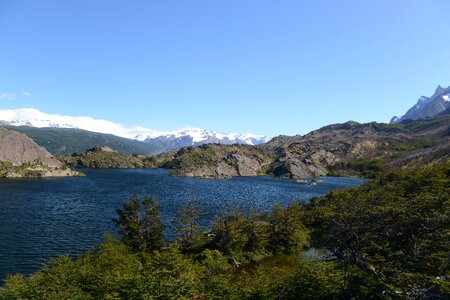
44,218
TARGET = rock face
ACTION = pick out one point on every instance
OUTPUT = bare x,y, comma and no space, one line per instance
24,156
302,165
215,161
427,107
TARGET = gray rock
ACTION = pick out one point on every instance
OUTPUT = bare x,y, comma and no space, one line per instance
18,149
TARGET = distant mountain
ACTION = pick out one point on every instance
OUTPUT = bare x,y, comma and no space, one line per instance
198,136
65,141
158,141
427,107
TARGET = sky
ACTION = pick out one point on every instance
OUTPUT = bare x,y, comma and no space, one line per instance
257,66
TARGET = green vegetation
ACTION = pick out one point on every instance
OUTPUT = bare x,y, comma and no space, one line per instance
96,158
360,167
195,156
207,155
412,146
29,170
389,239
393,233
141,231
5,167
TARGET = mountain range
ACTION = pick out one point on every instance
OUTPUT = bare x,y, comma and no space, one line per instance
136,139
62,135
427,107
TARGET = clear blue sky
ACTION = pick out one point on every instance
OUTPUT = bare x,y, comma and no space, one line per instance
266,67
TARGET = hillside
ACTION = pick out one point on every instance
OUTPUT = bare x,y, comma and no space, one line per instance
103,158
349,149
352,148
215,161
20,156
65,141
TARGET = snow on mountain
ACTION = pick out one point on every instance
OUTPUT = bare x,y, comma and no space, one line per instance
184,137
427,106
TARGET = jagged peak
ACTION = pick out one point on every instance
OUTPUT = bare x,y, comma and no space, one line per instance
439,89
427,106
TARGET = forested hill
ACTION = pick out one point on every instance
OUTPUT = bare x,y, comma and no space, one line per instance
65,141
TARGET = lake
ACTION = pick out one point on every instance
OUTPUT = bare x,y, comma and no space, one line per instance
44,218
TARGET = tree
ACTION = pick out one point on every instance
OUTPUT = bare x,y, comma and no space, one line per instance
288,234
128,223
188,229
152,226
392,233
230,232
141,231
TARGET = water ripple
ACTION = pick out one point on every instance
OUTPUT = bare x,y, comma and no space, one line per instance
41,219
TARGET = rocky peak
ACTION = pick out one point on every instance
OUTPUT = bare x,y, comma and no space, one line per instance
427,107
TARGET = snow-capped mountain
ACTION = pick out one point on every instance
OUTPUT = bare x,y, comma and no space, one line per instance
198,136
427,107
163,140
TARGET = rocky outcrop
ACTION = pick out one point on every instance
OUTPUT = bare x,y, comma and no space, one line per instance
302,165
215,161
104,158
349,149
22,157
230,165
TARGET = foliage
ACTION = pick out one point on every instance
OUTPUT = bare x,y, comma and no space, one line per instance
394,230
230,233
288,234
152,226
315,280
388,239
362,167
5,166
97,159
140,230
28,169
190,237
